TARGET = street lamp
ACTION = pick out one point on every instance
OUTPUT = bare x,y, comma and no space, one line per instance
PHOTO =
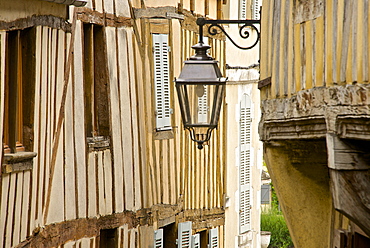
200,88
200,85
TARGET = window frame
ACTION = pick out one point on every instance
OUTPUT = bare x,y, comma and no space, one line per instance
96,86
161,81
18,106
19,65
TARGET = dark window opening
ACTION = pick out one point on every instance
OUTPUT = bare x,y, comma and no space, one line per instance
19,90
203,239
108,238
96,82
169,235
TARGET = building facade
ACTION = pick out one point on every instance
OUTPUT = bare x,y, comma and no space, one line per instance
315,113
94,150
244,150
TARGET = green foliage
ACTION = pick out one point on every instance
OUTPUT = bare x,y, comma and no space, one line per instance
272,220
274,199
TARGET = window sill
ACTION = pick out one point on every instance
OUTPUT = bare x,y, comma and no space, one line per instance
163,135
16,162
98,143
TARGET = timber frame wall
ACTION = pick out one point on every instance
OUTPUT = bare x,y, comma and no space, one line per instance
68,187
315,113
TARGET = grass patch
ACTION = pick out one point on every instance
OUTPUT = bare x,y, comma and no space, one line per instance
272,220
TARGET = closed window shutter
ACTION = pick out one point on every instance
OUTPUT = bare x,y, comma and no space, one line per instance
213,238
184,234
244,166
256,6
195,241
203,107
161,82
242,9
158,238
265,194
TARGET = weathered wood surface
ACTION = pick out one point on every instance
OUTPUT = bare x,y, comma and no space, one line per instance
350,196
141,168
312,44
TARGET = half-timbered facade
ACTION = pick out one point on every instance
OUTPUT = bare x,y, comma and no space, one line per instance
94,150
315,117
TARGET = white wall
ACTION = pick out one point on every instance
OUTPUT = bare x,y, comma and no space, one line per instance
242,81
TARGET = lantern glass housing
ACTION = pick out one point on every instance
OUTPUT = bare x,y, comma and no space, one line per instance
200,88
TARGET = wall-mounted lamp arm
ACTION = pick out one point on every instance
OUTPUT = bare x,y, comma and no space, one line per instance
216,24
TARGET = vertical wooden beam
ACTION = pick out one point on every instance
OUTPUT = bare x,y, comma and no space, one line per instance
340,39
219,9
320,61
276,50
61,115
308,54
282,50
360,39
206,7
364,19
297,58
290,53
329,43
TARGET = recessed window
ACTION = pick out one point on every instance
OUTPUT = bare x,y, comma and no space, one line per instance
19,90
161,63
96,83
108,238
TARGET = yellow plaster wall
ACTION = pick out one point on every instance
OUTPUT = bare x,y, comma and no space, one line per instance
304,195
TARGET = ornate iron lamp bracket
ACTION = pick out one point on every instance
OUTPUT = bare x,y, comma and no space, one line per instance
243,32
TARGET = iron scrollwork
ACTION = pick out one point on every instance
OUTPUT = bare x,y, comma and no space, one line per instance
244,33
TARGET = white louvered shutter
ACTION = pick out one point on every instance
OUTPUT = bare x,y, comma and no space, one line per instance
242,9
213,238
161,82
203,106
265,194
158,238
184,234
256,6
195,241
244,164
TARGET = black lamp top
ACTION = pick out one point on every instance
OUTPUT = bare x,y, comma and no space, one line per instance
201,52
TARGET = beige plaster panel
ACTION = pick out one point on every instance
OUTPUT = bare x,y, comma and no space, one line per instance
17,9
161,3
199,6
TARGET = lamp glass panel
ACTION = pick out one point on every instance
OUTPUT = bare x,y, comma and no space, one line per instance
202,104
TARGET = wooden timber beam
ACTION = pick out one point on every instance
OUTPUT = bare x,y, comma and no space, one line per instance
57,234
36,20
349,163
88,15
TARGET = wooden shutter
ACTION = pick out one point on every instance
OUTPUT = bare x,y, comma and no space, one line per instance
242,9
161,82
256,6
213,238
265,194
184,234
158,238
244,164
195,241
